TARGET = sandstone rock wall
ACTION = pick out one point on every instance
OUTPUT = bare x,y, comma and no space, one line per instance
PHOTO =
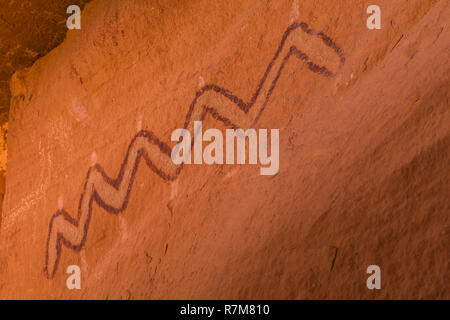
363,155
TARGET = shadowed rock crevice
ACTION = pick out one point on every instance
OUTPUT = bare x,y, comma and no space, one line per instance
28,31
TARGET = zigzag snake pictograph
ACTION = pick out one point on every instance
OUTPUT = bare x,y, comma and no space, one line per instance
112,194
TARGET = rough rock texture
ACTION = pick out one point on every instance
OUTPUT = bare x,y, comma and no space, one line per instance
364,155
28,31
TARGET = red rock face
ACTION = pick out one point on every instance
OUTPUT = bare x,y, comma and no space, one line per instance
364,151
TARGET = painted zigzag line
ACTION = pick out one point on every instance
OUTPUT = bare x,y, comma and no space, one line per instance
112,194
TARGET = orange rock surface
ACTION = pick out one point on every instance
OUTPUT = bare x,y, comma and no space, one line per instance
364,154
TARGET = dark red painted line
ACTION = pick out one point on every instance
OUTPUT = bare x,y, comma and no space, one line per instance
165,149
